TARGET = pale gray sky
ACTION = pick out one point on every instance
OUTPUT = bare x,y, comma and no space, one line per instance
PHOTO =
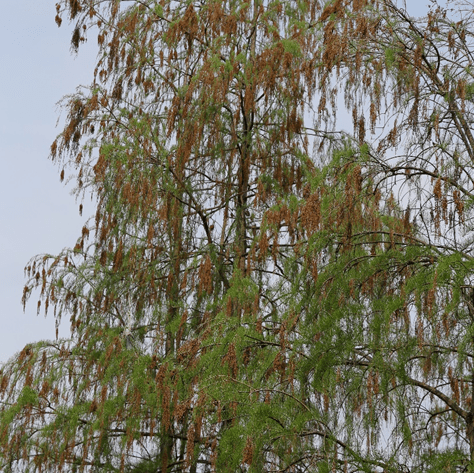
37,212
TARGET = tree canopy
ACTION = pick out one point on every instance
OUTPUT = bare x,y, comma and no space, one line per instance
261,288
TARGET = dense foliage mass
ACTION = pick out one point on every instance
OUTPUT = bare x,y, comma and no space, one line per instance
258,290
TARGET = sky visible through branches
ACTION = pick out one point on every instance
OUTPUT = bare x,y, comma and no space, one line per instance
33,201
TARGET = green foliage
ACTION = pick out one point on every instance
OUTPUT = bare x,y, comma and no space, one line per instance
291,47
258,291
27,398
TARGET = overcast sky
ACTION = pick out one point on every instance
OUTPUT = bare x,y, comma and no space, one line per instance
38,214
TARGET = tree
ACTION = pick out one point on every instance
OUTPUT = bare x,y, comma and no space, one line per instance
191,138
398,307
239,302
